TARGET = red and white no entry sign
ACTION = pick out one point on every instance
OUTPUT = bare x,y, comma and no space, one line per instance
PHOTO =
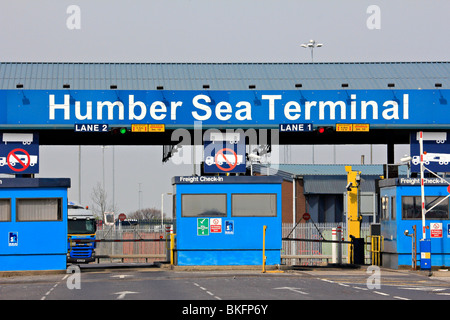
19,157
225,153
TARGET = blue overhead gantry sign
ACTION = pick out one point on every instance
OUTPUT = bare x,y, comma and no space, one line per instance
382,109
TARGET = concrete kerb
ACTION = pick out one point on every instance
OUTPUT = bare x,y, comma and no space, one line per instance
7,274
437,273
218,268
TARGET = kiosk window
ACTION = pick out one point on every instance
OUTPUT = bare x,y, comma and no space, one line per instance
412,208
5,210
254,205
203,205
393,209
39,209
384,208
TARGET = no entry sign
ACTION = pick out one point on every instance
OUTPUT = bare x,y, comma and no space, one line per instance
18,160
19,153
223,157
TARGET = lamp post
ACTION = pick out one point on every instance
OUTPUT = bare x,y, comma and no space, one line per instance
311,45
162,208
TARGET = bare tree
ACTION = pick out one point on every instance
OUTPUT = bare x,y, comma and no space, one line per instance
100,199
145,214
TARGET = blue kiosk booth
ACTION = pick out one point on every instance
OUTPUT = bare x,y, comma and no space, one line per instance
220,220
400,210
33,224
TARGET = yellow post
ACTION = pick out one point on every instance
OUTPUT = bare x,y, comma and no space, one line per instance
172,246
264,250
353,216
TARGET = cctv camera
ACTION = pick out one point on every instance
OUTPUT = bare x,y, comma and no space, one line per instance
349,186
406,232
254,157
406,158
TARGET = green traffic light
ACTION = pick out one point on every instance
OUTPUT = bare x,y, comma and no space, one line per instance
123,130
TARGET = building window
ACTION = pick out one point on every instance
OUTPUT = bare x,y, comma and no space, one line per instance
393,208
412,207
385,208
203,205
254,205
5,210
39,209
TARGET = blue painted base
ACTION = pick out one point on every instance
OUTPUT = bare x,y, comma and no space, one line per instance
33,262
227,258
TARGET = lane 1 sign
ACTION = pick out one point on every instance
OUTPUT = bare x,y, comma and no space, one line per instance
296,127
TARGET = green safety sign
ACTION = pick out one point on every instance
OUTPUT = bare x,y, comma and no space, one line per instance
202,226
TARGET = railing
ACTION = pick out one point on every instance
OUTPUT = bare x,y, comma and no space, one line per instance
130,244
313,251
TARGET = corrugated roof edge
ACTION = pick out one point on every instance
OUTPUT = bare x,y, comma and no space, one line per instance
287,171
225,63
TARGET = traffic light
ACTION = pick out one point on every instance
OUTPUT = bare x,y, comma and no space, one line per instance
117,131
325,130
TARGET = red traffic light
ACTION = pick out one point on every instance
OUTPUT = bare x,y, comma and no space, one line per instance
325,130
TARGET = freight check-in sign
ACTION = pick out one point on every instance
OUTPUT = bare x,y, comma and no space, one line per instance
19,153
221,156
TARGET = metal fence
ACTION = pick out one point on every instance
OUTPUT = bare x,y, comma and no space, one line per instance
128,245
314,253
305,253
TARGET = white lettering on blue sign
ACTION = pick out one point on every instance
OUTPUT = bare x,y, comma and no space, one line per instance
204,109
91,127
295,127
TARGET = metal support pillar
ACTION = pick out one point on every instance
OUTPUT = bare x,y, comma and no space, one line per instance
353,216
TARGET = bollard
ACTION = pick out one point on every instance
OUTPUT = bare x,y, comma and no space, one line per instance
172,246
336,252
339,245
334,245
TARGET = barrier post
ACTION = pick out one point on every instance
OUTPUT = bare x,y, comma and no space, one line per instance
336,252
264,250
334,245
172,246
339,245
